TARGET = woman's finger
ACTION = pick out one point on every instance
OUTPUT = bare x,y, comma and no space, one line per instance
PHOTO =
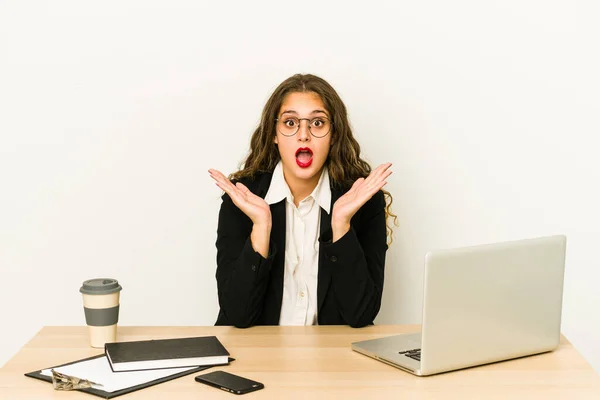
233,192
373,187
378,171
380,175
242,188
383,176
382,169
226,188
238,193
218,176
223,180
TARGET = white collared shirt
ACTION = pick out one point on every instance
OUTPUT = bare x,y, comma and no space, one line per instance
302,223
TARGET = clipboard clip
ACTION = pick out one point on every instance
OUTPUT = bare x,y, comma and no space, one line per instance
67,382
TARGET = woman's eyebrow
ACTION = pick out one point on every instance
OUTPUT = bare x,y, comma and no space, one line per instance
318,111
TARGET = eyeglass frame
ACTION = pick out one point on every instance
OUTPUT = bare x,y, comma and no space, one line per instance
309,130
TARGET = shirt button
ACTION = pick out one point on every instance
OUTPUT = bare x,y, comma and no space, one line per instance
254,268
333,258
301,294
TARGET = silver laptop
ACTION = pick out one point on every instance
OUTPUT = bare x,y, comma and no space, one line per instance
482,304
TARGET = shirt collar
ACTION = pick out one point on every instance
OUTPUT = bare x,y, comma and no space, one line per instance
279,189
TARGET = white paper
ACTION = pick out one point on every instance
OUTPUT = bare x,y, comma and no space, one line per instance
98,370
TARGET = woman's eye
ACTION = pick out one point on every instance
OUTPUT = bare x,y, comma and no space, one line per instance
318,123
291,123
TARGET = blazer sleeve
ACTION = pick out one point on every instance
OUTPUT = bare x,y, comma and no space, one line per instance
357,262
242,273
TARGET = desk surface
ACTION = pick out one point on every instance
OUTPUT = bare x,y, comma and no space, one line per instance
311,362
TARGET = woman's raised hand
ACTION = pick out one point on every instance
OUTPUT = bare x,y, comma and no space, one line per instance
255,207
360,192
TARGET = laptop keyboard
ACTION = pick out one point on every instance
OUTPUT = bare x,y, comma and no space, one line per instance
415,354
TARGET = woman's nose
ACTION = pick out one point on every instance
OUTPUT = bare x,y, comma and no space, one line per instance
303,132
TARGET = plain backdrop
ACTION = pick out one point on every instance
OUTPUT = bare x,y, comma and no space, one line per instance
112,112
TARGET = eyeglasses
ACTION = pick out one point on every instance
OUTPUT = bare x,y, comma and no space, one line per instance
318,127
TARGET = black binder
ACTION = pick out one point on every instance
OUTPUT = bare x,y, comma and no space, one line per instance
142,355
110,395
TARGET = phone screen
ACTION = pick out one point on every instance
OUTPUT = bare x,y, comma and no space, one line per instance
229,382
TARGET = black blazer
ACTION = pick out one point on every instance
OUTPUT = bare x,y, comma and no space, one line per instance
350,277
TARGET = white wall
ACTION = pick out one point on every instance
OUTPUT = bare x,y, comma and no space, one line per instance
112,112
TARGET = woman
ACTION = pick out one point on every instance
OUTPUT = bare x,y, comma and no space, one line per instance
301,238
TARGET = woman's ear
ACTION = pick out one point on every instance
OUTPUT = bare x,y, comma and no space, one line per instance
275,139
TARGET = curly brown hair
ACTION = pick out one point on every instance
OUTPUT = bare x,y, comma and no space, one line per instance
343,162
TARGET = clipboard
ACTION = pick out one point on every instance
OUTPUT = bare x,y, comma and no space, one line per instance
111,394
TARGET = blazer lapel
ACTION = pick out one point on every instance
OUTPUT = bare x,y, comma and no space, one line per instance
324,274
278,238
272,307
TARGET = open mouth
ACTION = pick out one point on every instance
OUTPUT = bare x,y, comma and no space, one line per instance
304,157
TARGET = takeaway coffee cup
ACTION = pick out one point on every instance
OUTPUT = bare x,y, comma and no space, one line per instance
101,306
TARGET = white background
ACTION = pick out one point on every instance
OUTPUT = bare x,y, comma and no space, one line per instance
112,112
